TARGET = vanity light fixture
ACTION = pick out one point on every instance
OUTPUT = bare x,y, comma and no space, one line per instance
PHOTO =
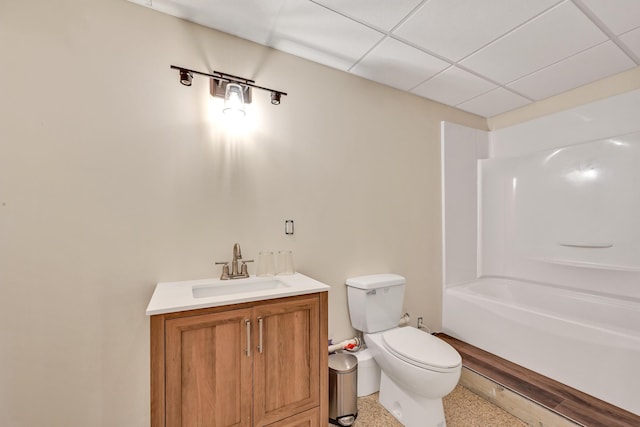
235,90
186,77
275,98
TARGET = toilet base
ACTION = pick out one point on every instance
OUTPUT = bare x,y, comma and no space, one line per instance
411,411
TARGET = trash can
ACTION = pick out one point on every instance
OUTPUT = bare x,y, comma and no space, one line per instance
343,389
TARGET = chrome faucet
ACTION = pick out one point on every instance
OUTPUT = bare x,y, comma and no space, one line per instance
237,255
235,274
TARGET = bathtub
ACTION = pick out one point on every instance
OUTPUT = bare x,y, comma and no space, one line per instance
588,341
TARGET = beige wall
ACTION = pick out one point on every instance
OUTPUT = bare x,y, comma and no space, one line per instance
620,83
113,177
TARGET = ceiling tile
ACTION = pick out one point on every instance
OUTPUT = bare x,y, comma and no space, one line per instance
453,86
228,17
588,66
383,14
455,29
632,41
495,102
399,65
310,31
551,37
300,28
618,15
531,48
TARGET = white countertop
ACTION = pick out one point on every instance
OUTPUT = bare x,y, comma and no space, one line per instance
170,297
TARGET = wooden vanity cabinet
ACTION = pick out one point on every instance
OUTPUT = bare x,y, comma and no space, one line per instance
246,365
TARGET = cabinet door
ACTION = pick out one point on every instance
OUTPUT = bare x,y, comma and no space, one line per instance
287,366
208,372
309,418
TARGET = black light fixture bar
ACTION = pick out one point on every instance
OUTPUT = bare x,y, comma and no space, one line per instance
230,78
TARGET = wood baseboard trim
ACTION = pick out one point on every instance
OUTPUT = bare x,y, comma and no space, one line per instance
514,403
573,405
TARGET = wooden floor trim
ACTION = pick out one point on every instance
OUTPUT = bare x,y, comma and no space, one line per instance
514,403
570,403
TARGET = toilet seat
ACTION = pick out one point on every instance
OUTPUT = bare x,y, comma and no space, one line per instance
421,349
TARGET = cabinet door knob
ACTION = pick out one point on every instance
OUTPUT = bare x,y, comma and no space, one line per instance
248,325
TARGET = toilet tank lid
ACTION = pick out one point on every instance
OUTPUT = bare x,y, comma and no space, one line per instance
374,281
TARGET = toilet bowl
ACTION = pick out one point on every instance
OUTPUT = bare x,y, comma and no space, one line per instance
415,375
424,364
418,369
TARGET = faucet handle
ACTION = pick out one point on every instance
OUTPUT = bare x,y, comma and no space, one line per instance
243,269
225,269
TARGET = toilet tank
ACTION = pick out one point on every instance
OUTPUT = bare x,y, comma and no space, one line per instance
375,301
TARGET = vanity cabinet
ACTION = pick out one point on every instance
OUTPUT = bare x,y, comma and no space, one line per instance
253,364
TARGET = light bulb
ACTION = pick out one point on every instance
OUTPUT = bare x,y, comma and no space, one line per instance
234,100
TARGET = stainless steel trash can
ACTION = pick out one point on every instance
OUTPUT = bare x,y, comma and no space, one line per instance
343,389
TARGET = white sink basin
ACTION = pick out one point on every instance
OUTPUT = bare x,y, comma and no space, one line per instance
170,297
237,286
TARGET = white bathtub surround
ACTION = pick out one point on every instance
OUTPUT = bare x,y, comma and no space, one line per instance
544,268
460,154
587,341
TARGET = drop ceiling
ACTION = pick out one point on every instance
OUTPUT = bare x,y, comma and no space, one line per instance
486,57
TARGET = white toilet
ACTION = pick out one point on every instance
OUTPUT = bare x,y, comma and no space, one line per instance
418,369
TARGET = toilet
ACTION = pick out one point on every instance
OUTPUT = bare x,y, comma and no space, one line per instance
418,369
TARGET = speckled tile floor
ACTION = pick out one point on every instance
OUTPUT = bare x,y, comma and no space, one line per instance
462,408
